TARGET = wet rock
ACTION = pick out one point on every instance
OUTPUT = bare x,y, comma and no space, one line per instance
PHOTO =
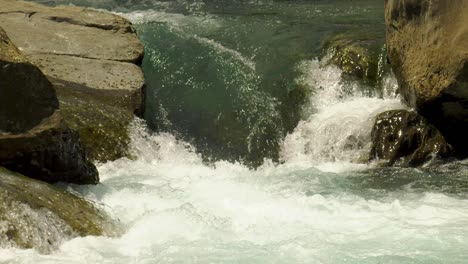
353,56
361,57
92,59
37,215
33,137
404,138
101,118
49,152
428,50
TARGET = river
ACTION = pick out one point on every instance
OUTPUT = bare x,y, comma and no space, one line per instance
232,167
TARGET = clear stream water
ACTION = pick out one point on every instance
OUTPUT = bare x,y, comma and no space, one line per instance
191,195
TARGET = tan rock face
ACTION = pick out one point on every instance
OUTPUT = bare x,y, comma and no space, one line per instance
70,31
34,140
26,96
92,59
427,43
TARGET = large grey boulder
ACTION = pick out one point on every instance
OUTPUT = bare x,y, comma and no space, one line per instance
427,43
92,58
34,139
37,215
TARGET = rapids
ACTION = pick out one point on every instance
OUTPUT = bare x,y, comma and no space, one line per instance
312,198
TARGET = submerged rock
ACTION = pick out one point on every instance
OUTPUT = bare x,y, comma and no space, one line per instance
34,140
361,57
402,137
353,56
37,215
92,59
428,50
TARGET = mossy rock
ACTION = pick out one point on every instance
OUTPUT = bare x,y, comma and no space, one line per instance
361,56
34,214
102,119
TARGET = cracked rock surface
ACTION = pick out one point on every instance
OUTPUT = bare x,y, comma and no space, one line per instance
92,58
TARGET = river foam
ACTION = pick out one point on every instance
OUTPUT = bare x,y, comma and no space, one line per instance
175,209
312,208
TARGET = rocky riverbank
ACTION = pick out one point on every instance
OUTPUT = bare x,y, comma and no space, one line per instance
70,85
92,58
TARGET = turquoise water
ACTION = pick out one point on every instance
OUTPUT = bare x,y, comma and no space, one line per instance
225,78
237,85
223,75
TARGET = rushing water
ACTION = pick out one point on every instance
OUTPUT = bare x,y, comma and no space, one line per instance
313,198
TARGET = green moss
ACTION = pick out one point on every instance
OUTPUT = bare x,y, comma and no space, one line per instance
101,119
360,55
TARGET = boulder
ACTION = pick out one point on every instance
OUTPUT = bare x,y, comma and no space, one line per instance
37,215
427,45
50,152
361,55
20,80
34,140
404,138
92,58
356,54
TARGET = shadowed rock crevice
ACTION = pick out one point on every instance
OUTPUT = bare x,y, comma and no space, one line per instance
115,26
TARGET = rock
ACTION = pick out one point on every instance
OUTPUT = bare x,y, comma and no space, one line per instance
37,215
20,80
92,59
49,152
101,118
361,55
356,54
402,137
428,49
72,31
34,140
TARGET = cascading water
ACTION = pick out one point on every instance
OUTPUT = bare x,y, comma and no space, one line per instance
319,202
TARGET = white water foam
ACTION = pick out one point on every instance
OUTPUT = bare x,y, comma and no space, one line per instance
339,119
176,209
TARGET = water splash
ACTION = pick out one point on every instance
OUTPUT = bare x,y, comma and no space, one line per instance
177,209
339,119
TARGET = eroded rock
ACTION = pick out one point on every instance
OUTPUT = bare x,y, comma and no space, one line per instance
404,138
428,49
